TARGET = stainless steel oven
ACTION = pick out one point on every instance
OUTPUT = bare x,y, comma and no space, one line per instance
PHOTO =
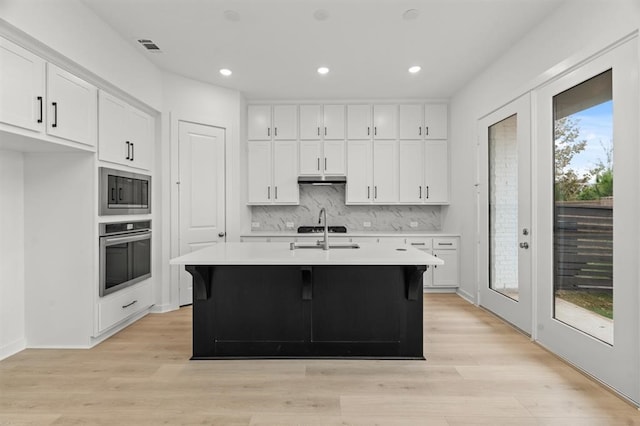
125,254
124,192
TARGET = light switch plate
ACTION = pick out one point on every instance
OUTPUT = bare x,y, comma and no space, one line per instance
289,225
413,224
255,224
366,224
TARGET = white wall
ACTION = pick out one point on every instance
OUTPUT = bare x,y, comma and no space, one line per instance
12,288
577,30
194,101
73,30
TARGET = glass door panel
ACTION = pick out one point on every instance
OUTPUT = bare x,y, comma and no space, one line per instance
503,207
583,207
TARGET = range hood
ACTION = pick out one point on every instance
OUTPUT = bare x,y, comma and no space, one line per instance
322,180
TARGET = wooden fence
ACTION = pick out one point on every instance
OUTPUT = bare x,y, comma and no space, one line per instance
583,246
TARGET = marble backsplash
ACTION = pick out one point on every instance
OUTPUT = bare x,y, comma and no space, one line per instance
313,198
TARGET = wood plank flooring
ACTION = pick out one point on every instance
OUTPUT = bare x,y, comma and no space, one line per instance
479,371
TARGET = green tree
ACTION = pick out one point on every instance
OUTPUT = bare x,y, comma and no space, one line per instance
568,184
603,185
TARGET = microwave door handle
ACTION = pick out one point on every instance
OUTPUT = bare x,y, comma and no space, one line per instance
127,239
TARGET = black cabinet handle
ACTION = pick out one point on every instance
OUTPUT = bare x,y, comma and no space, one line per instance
133,151
268,192
55,114
41,117
318,131
268,131
427,192
325,131
275,131
325,164
119,194
113,194
276,193
419,130
375,131
128,150
375,192
420,192
129,304
426,130
368,131
368,192
318,163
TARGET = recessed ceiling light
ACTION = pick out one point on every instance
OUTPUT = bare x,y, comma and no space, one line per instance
414,69
226,72
323,70
321,15
410,14
231,15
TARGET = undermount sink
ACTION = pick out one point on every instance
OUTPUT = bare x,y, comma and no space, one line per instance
318,245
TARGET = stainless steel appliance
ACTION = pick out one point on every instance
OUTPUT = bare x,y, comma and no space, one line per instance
124,192
125,254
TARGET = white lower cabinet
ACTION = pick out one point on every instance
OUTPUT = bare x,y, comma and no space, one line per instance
123,304
445,248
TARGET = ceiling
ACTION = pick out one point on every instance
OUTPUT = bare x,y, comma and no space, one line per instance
274,47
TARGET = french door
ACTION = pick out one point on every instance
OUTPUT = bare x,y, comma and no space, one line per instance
587,203
504,212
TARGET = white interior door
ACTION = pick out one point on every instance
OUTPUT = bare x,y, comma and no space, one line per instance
504,211
201,192
587,218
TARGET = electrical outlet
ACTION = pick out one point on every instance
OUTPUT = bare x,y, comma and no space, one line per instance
255,224
413,224
366,224
289,225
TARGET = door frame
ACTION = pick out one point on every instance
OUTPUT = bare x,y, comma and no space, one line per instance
519,313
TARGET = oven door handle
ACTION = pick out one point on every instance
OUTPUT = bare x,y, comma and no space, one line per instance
127,239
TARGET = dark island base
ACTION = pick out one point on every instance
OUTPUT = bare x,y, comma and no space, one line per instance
307,312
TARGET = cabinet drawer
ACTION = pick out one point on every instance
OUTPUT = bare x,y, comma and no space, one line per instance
420,243
445,243
122,305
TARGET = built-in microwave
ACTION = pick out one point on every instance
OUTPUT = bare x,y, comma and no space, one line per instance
124,192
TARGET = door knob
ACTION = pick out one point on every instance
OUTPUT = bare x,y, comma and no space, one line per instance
221,234
524,245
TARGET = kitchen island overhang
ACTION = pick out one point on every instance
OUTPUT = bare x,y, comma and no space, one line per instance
263,300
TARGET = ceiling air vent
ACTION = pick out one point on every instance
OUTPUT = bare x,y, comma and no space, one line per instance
149,45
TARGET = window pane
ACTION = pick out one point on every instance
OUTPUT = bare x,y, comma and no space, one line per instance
583,216
503,207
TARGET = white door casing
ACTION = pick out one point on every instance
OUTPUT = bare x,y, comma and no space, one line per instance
201,193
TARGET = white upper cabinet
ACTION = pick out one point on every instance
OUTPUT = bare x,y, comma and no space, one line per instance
359,172
310,157
259,122
411,175
285,122
358,122
411,122
436,172
22,76
372,172
435,121
310,122
385,121
125,133
385,172
71,107
333,122
334,161
273,172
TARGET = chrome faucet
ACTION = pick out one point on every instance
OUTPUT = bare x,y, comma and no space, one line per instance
323,214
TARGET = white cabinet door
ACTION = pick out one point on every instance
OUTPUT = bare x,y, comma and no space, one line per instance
411,177
259,165
72,107
385,172
334,122
285,122
358,122
385,121
435,121
359,173
21,87
285,172
436,172
310,122
112,134
140,137
446,275
259,122
411,122
310,158
334,163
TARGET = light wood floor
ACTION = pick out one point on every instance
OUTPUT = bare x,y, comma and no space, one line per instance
478,371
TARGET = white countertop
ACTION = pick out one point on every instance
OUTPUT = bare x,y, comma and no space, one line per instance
280,254
379,234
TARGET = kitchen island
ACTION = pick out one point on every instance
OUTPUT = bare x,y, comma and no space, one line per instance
265,300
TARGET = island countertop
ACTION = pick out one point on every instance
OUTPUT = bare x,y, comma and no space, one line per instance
281,254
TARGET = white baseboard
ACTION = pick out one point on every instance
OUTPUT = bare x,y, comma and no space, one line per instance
12,348
439,289
161,309
467,296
